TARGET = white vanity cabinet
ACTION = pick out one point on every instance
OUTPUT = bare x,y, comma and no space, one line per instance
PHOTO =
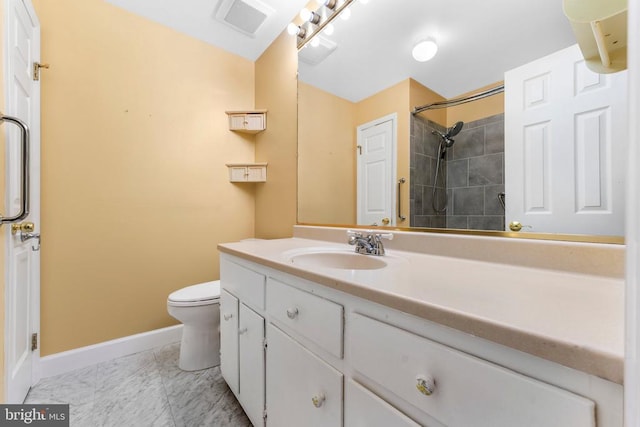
333,359
242,343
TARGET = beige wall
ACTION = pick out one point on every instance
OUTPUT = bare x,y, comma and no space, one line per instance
276,89
3,230
477,109
135,193
420,95
326,157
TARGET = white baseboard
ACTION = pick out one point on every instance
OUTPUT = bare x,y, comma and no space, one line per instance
67,361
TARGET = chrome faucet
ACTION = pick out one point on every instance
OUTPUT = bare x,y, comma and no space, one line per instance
369,242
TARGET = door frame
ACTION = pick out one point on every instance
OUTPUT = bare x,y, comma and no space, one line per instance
393,117
34,130
632,238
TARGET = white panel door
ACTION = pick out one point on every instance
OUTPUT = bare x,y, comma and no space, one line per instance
22,291
251,340
376,172
565,144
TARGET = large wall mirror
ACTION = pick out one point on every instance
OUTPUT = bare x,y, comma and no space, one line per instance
365,159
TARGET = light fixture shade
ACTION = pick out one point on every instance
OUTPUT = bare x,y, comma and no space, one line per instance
424,51
305,14
329,29
293,29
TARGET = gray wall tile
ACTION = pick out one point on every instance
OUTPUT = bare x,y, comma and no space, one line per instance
468,201
458,173
469,143
485,170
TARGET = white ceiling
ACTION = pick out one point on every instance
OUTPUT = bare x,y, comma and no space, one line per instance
478,40
197,18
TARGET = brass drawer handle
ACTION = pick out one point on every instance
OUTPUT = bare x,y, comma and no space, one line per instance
426,385
318,400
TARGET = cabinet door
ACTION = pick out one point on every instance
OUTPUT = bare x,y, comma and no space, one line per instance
237,174
237,122
254,122
229,340
251,339
302,390
256,173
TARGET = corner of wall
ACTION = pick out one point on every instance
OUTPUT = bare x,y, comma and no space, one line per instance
276,90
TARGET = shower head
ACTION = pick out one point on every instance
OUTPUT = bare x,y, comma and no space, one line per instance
454,130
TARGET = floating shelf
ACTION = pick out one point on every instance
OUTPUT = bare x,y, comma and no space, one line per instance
600,27
247,121
247,172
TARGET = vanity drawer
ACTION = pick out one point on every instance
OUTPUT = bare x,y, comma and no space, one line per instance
311,316
468,391
244,283
362,408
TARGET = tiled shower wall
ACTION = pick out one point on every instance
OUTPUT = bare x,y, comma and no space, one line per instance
473,176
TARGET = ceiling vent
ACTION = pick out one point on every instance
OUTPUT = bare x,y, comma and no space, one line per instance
314,55
246,16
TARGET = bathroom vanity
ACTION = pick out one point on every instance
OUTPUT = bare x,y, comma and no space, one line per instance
314,334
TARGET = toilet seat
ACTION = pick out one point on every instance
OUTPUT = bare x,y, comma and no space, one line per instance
195,295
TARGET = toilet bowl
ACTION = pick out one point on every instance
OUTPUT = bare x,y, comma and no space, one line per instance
198,308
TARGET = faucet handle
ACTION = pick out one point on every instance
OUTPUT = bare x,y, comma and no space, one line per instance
352,233
388,236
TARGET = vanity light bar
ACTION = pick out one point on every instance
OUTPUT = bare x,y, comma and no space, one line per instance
306,34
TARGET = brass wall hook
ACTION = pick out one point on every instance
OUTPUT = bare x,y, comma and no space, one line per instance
36,70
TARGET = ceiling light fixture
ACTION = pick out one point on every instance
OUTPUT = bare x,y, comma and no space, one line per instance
424,51
316,21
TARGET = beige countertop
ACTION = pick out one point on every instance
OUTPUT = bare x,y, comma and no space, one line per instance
574,319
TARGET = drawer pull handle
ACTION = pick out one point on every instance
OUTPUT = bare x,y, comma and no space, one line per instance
228,316
242,331
292,313
426,385
318,400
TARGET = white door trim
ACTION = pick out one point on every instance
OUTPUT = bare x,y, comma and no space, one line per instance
393,117
632,238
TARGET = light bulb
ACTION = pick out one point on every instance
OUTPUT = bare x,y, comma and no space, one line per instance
305,14
329,29
315,42
346,14
424,51
293,29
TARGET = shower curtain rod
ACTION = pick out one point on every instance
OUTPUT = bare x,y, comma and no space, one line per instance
453,102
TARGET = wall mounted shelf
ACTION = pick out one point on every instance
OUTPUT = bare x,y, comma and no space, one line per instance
247,121
247,172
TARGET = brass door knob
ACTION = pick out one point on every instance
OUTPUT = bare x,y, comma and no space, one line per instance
515,226
25,227
385,221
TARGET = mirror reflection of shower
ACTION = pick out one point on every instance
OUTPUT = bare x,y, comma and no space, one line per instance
446,141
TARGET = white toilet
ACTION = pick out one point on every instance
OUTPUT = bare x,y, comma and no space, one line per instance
198,308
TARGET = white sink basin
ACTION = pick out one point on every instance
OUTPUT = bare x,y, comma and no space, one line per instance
337,258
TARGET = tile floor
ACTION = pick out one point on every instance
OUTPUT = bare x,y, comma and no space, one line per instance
143,389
